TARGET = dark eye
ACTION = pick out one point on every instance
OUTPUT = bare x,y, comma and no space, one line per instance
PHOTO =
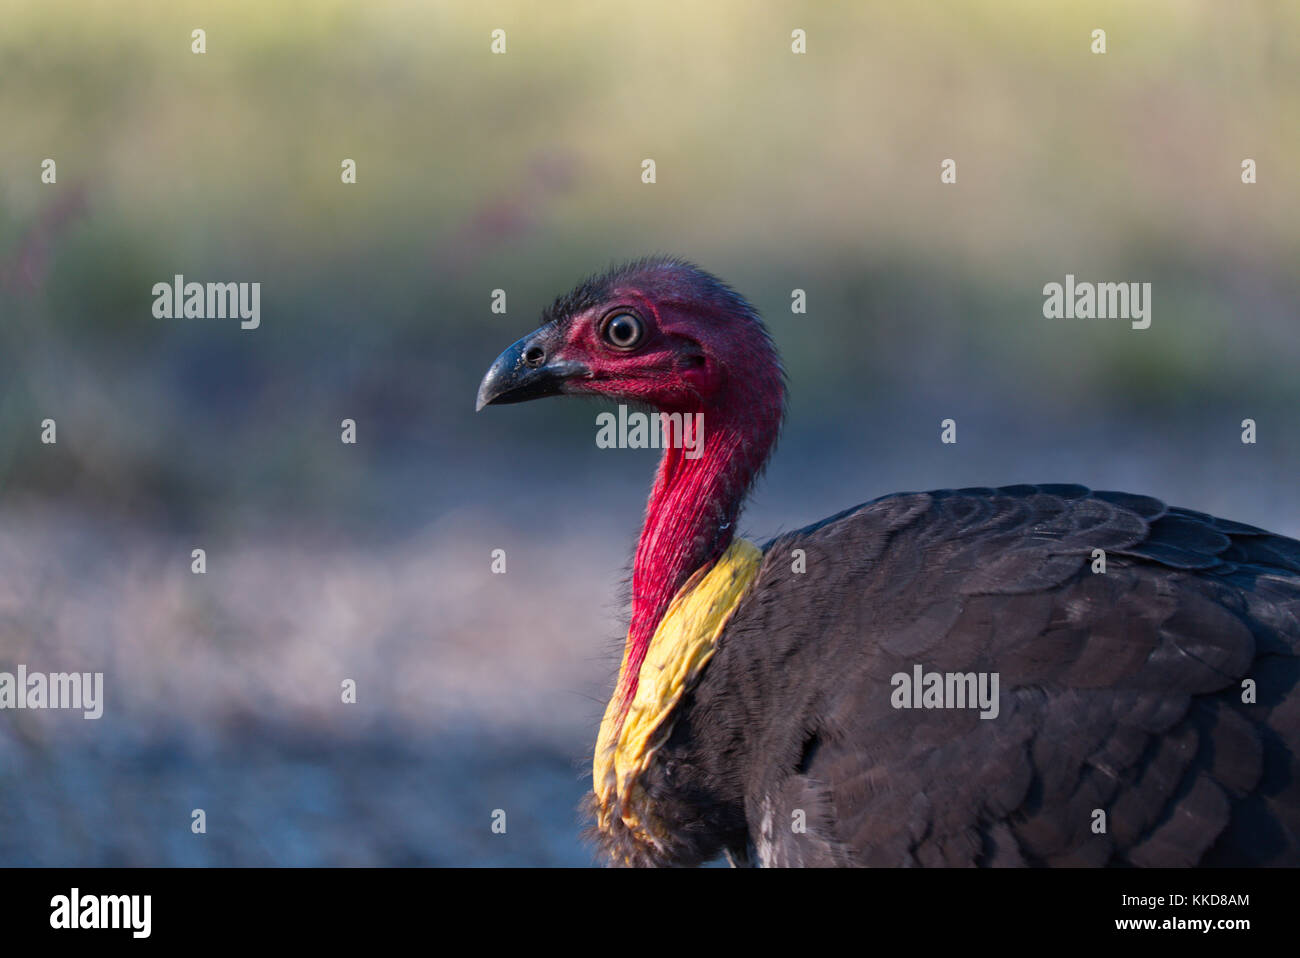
622,330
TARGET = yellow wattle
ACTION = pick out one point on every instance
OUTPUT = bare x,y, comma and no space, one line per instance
683,642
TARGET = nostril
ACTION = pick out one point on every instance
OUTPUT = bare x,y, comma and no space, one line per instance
534,356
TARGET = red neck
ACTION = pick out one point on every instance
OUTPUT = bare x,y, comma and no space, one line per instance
691,515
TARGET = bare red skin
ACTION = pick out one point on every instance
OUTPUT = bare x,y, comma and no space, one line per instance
694,357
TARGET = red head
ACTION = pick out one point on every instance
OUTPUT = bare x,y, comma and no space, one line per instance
663,333
658,331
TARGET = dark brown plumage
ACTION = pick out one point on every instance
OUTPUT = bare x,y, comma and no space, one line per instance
1119,691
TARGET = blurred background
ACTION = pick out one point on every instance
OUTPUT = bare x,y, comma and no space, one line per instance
522,171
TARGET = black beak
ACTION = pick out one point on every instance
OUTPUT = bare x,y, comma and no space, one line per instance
527,371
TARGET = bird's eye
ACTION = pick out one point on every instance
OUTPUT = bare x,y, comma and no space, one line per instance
622,330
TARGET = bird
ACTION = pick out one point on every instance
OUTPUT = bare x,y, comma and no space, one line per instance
1023,675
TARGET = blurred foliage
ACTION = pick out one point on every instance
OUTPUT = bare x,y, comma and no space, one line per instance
522,171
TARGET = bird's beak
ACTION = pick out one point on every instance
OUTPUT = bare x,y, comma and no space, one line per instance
527,370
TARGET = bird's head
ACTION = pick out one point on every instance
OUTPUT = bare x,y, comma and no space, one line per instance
666,334
659,332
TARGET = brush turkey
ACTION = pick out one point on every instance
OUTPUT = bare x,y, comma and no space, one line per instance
813,702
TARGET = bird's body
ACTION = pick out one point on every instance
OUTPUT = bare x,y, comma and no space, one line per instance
1120,691
1014,676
